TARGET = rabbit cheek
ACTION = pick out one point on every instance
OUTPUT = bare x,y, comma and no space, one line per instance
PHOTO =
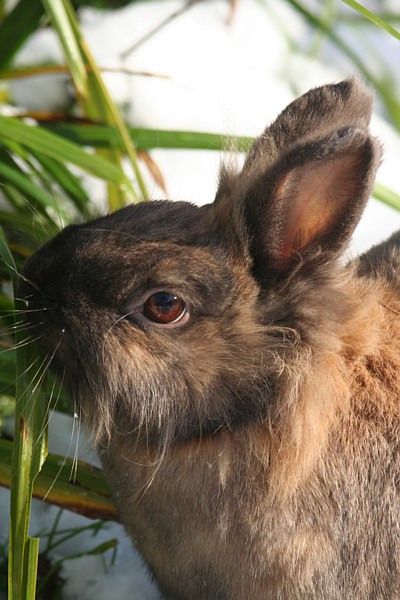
163,395
170,385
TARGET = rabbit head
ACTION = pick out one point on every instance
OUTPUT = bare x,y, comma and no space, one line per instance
169,321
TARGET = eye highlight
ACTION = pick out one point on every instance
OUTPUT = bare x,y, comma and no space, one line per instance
164,308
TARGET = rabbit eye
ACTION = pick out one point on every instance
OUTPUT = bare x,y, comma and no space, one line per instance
164,308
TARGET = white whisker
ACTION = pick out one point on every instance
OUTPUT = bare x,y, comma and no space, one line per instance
47,364
51,406
23,343
67,452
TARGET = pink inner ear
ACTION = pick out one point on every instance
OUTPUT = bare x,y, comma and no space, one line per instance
317,195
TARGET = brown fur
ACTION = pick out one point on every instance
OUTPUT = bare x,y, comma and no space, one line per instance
253,446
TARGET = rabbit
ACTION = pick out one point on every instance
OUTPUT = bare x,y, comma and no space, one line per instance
240,380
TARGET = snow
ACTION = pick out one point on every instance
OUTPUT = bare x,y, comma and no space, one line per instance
214,76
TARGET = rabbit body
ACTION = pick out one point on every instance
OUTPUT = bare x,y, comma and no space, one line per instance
240,381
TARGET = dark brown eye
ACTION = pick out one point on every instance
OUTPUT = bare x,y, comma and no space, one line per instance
164,308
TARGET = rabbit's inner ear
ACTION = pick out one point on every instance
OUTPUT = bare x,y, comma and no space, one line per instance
309,203
317,196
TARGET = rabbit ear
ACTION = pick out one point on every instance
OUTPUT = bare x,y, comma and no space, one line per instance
311,200
312,116
307,179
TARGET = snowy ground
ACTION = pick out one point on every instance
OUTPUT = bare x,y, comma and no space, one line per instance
224,78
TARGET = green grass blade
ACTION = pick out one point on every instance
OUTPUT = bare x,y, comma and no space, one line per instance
388,97
17,178
17,26
32,566
61,22
28,187
7,259
146,139
36,139
374,18
91,498
94,98
387,196
67,181
29,451
36,230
